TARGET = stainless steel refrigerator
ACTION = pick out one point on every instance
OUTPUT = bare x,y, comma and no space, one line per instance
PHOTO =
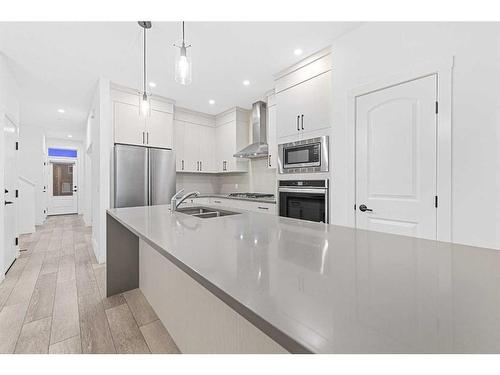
143,176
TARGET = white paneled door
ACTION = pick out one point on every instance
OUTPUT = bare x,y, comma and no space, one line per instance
396,159
63,187
10,196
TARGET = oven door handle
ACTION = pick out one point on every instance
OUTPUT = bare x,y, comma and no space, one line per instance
303,190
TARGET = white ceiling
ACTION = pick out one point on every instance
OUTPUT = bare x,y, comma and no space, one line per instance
57,64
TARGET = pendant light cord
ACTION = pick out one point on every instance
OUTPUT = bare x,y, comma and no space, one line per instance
145,60
183,32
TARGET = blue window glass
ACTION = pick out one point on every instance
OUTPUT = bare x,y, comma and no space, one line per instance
62,152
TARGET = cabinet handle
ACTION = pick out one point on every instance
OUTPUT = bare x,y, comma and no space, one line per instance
147,137
298,128
269,160
201,165
262,208
217,201
198,166
143,142
302,120
182,164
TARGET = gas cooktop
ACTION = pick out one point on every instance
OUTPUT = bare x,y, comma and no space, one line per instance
251,195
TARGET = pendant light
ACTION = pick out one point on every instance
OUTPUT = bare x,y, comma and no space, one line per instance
183,63
144,97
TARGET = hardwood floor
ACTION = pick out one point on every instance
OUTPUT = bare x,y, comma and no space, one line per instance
53,300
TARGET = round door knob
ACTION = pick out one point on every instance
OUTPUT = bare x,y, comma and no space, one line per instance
363,208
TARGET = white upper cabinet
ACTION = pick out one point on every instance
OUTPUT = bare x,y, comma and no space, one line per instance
231,135
304,98
131,128
159,129
271,132
191,144
194,144
180,162
207,149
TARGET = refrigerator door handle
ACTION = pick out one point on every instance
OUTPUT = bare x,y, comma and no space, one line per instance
149,179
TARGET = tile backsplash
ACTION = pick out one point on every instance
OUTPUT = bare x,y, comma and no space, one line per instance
259,179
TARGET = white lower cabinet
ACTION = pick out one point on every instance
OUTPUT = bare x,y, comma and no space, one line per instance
200,201
262,207
197,320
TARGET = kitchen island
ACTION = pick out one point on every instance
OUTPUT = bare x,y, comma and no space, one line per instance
286,285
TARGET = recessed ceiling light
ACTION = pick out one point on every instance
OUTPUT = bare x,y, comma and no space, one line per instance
297,52
246,82
152,84
211,102
60,110
70,136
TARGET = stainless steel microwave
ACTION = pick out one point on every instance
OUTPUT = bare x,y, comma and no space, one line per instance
304,156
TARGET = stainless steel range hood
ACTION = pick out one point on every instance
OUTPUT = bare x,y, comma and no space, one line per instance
259,148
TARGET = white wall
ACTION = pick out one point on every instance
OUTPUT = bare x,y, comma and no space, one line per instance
87,183
9,105
378,50
102,148
31,159
26,206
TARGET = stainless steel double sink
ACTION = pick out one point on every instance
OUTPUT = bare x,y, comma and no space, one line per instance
205,212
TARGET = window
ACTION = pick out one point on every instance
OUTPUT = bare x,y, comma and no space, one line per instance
62,179
62,152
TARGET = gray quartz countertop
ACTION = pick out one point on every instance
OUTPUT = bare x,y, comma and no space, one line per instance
329,289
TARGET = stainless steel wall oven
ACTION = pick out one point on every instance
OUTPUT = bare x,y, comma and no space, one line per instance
304,199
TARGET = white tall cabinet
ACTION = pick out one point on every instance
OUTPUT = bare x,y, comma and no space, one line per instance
304,98
155,130
272,142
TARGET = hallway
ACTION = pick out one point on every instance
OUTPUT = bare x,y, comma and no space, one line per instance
53,300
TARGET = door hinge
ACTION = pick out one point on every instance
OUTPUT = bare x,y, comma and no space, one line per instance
354,206
17,241
435,201
437,107
17,145
17,193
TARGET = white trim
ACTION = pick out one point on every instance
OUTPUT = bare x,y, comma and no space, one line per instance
129,90
304,62
444,71
29,182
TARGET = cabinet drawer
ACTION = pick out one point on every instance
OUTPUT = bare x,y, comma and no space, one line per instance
266,208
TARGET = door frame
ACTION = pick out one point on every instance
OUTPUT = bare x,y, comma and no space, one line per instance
5,118
3,115
59,159
443,69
